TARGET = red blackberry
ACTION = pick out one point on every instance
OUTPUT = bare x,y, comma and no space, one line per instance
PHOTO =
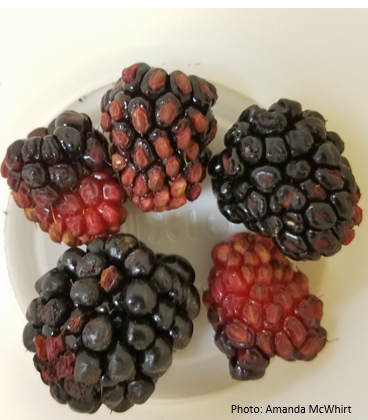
107,321
61,177
260,306
159,125
283,176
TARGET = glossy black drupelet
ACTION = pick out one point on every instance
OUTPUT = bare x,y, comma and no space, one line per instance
282,175
107,321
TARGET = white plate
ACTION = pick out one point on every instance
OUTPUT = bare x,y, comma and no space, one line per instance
190,231
316,57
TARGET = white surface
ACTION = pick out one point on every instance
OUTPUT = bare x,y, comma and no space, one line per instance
49,59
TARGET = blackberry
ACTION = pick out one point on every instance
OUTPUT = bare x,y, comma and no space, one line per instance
107,321
283,175
160,126
260,306
62,179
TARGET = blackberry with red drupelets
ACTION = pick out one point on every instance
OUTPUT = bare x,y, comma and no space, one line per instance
62,178
260,306
160,125
107,321
283,175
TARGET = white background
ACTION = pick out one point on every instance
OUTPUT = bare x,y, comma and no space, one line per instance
49,58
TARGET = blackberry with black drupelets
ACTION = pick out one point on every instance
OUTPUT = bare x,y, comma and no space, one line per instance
62,178
260,306
107,321
283,175
160,126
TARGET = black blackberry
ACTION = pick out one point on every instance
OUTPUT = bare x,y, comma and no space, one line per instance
282,175
107,321
160,125
62,178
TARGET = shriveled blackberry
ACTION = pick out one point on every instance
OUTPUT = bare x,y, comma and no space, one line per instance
107,321
260,306
283,175
160,126
61,177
